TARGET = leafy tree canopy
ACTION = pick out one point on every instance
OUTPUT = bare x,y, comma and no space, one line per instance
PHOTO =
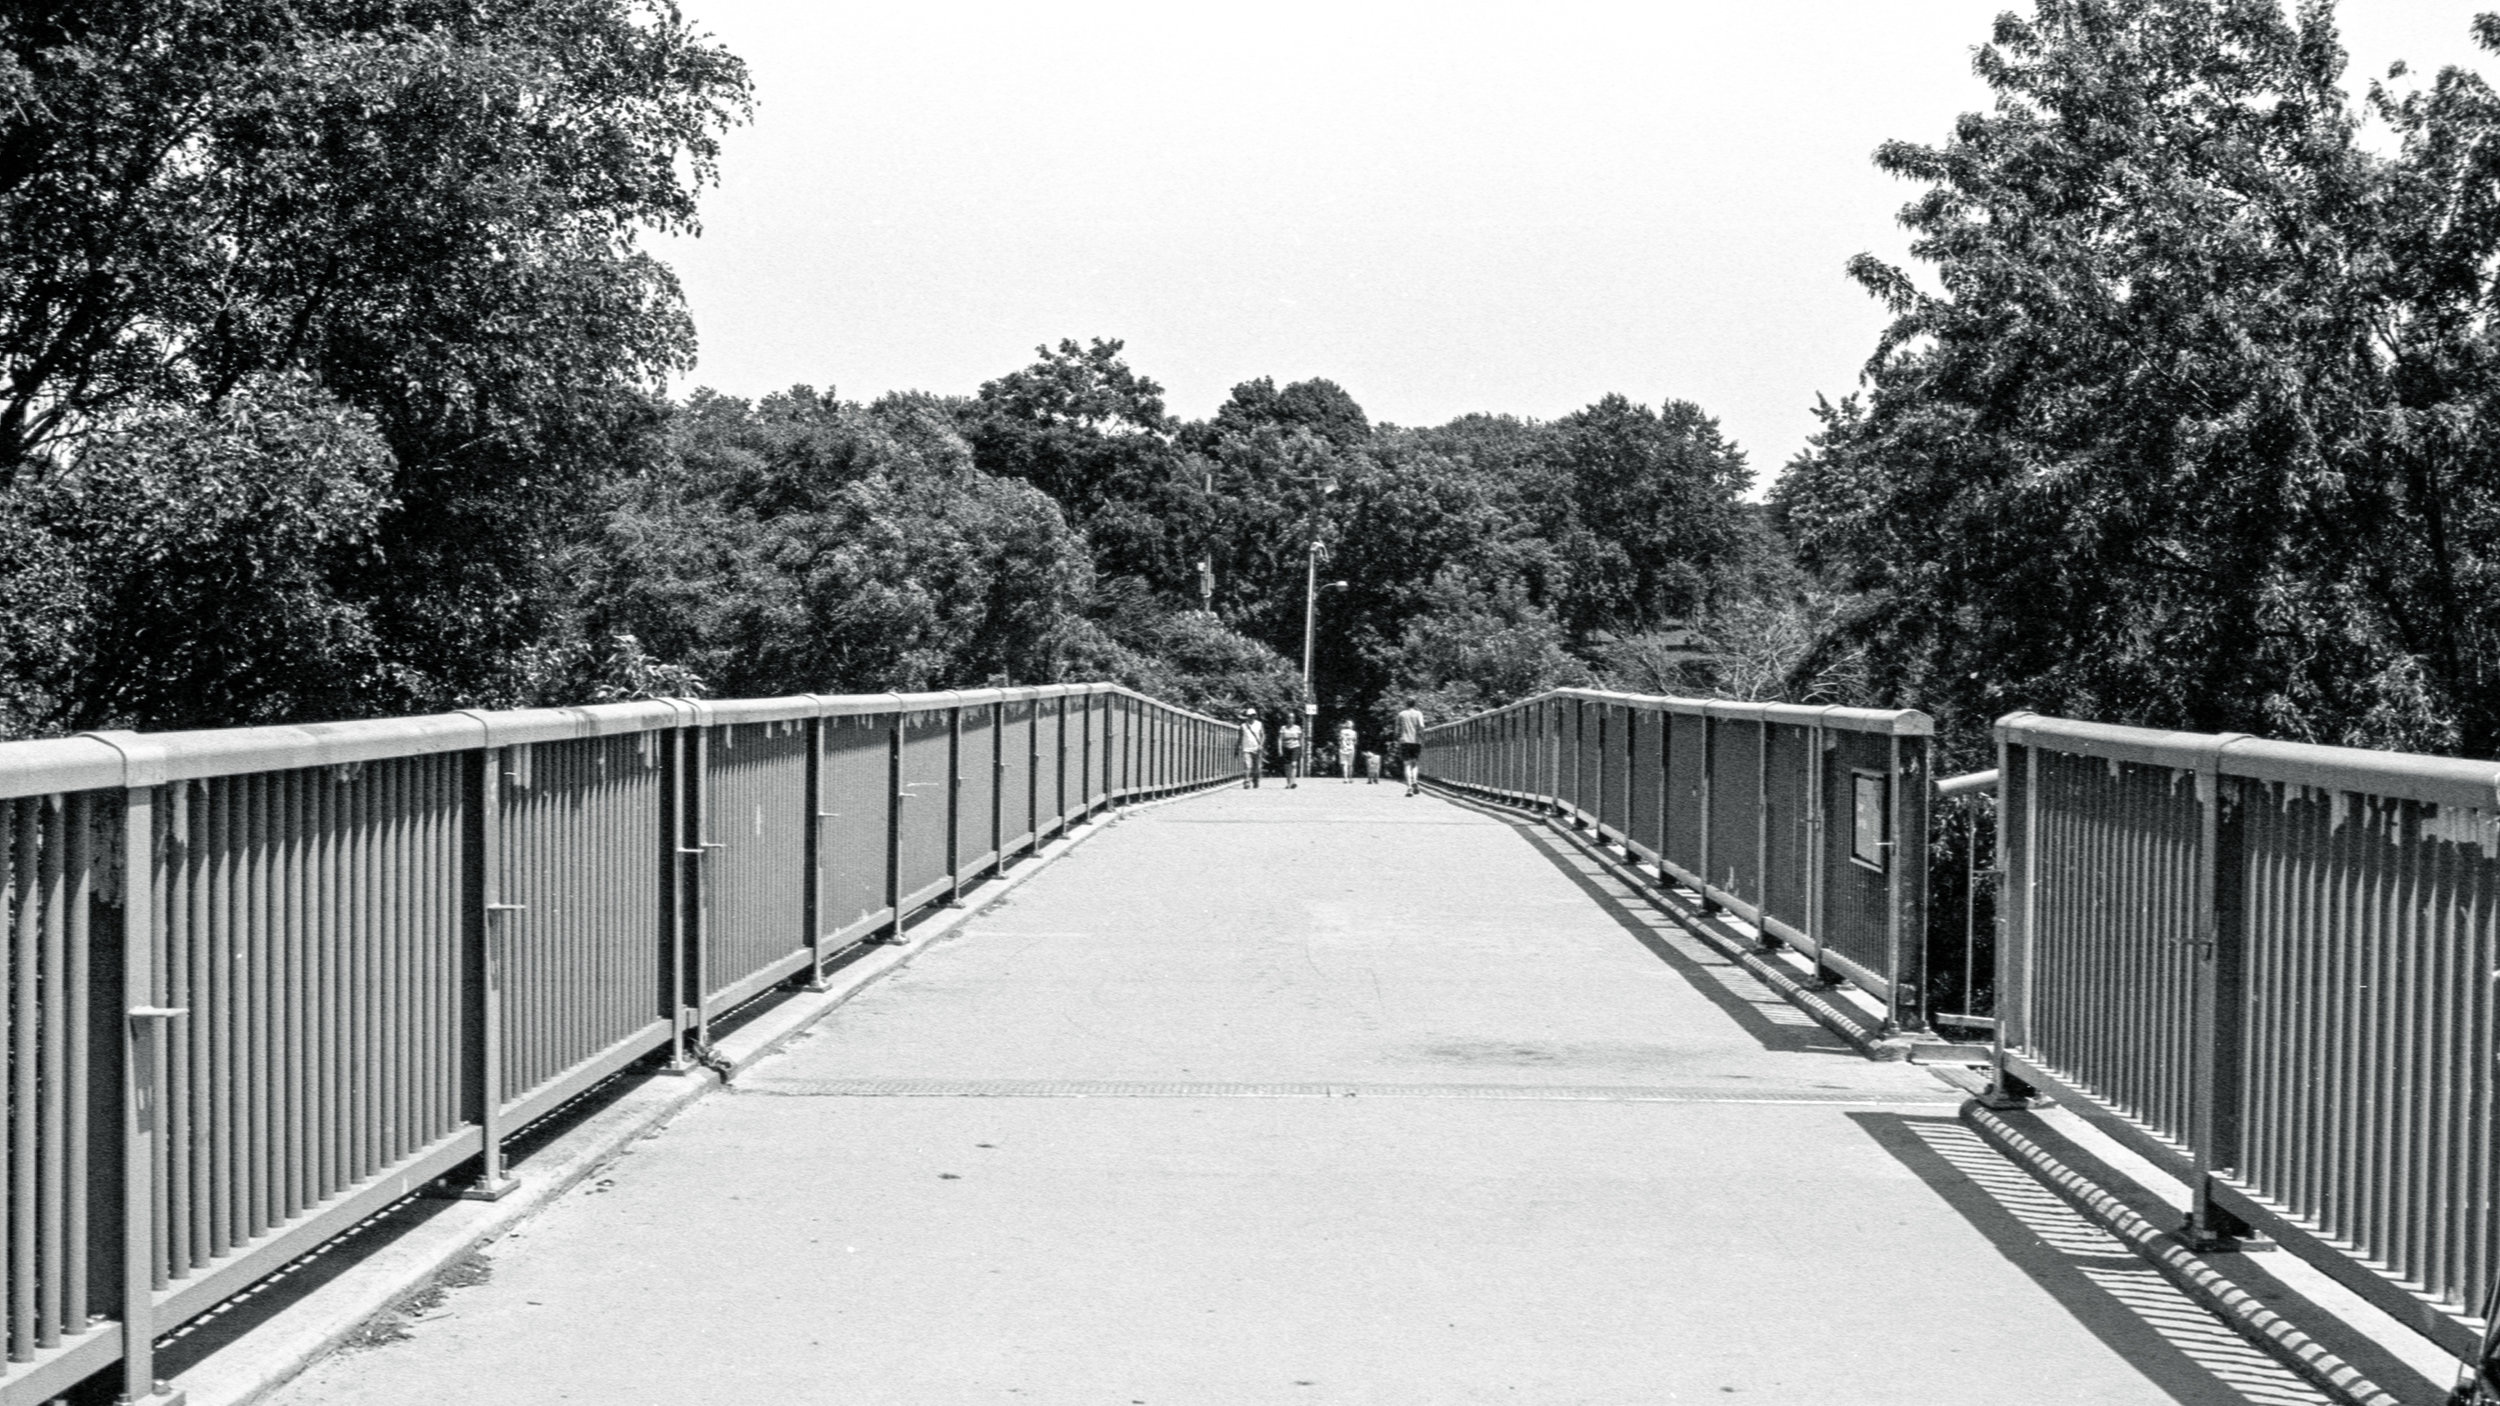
2188,422
425,210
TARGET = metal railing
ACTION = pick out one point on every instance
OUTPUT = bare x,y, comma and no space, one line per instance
1808,823
2270,968
1961,903
256,985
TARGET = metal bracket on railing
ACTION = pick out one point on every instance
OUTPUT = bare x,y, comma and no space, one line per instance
704,848
507,907
701,1052
158,1012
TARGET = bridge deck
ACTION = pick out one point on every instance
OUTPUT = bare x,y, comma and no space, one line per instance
1314,1095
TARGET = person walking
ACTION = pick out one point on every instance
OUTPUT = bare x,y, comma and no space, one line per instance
1345,748
1290,739
1411,741
1253,747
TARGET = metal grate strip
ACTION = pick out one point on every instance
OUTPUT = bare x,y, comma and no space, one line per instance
1169,1088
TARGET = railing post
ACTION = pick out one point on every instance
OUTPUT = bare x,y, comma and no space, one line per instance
1709,778
1818,868
672,857
1061,769
812,866
1033,778
146,1029
1762,843
954,806
1905,927
1631,783
698,881
1551,756
1666,794
894,798
2220,966
1595,805
998,787
483,935
2018,825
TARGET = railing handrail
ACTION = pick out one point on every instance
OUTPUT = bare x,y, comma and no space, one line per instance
97,761
1898,722
2409,776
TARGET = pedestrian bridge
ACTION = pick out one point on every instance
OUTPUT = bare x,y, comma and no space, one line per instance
1095,1078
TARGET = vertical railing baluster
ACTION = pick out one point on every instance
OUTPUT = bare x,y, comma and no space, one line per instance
2220,962
894,798
998,787
1906,887
954,805
483,927
813,858
145,1027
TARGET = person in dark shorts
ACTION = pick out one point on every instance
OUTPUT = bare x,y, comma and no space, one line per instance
1411,741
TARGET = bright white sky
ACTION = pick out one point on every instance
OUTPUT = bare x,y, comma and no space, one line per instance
1443,207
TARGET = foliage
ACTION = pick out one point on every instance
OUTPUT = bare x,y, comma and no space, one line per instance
809,544
1474,648
187,567
428,207
2190,427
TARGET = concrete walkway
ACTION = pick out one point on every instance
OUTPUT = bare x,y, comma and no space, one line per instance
1322,1095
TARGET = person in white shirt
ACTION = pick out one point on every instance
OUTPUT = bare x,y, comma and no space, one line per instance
1346,742
1253,746
1411,741
1290,739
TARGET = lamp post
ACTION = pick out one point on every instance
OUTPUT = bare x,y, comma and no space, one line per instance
1310,619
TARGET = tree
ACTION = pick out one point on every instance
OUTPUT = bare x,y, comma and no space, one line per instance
809,544
186,568
429,207
1653,524
2185,429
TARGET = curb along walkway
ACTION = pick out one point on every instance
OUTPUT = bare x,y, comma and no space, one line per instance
1315,1095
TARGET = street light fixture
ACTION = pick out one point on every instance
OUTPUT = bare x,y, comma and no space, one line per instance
1310,618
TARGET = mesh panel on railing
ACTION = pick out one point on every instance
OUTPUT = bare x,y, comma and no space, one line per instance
978,766
927,778
55,847
316,917
1855,921
2368,1082
2113,976
1735,807
1615,769
857,795
581,857
756,813
1016,748
1788,781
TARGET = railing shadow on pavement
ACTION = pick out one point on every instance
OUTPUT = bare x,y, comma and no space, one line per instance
2110,1291
1771,1022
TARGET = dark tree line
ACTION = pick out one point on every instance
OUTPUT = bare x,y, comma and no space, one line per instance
1060,524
